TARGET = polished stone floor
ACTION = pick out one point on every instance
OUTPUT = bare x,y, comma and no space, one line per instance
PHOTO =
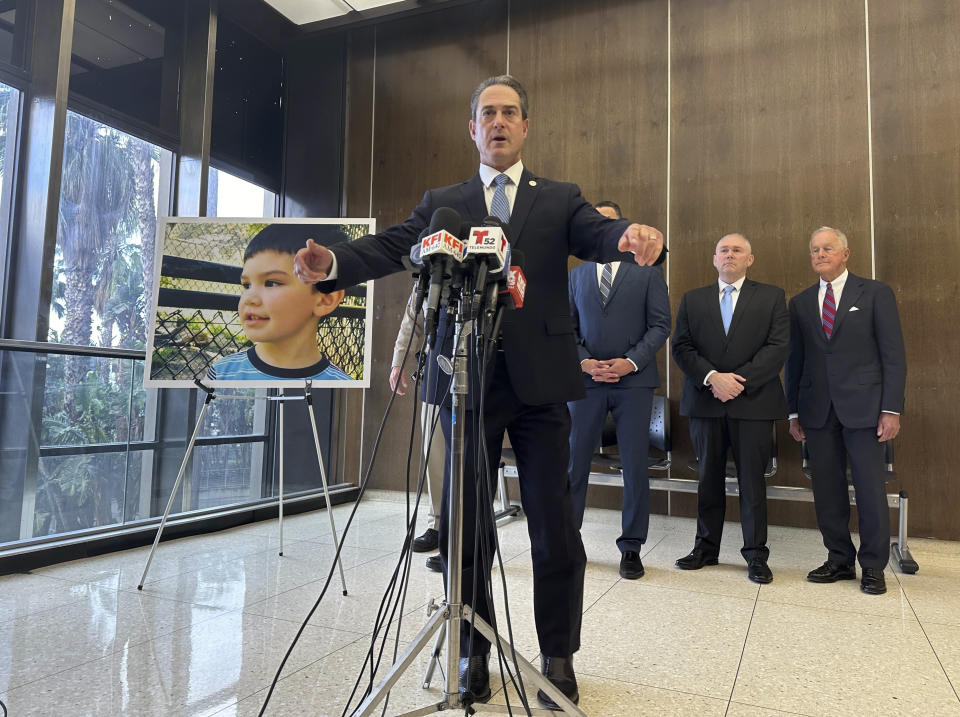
218,612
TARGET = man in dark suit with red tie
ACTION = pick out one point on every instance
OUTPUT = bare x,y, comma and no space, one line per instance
534,374
731,342
846,374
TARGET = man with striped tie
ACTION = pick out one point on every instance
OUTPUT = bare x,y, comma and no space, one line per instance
846,373
621,318
731,342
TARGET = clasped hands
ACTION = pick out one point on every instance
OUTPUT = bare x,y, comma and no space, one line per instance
726,386
607,370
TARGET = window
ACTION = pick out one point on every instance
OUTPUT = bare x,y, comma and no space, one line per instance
232,472
9,111
112,184
230,196
126,57
14,31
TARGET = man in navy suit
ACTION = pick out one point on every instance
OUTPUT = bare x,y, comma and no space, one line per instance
731,342
534,373
621,317
846,373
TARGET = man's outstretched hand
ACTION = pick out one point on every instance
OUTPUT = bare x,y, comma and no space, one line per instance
312,263
645,243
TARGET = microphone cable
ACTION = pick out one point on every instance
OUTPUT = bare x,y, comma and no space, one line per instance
391,597
485,527
486,478
364,482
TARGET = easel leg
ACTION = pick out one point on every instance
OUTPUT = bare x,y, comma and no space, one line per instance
176,487
323,477
280,513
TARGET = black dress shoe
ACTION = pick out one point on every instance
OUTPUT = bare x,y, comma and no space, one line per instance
559,670
474,679
426,542
830,572
695,560
631,567
759,572
872,582
434,564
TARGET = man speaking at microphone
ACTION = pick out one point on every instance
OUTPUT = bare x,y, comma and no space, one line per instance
535,372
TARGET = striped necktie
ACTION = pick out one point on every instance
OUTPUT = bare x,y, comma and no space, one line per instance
606,281
500,205
829,311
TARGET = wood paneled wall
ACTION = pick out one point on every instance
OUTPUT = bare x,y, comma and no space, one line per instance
701,117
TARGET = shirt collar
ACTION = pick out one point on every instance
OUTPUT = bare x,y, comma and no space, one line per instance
488,173
836,284
738,284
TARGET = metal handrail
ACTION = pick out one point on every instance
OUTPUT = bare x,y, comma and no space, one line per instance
45,347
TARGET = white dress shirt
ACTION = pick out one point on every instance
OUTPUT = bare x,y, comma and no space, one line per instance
488,174
837,286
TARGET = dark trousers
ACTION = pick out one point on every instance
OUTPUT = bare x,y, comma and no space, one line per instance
539,435
830,447
751,444
631,413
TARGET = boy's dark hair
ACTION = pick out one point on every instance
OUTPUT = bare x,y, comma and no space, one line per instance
291,238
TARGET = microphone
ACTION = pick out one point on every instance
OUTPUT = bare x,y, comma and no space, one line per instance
488,250
513,288
516,288
440,248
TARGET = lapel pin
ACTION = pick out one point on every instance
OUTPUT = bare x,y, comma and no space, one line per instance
533,182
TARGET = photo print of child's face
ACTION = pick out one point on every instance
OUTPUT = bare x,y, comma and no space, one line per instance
275,305
227,309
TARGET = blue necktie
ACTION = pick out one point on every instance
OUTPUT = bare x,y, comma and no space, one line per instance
500,206
726,307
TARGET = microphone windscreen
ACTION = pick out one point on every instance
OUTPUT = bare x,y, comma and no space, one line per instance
415,255
447,219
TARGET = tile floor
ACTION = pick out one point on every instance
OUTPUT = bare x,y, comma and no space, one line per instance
218,612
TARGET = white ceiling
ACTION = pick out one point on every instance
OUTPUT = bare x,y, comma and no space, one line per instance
304,11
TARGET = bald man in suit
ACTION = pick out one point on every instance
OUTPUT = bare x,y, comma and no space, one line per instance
731,342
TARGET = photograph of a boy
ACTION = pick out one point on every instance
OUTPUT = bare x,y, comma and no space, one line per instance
279,314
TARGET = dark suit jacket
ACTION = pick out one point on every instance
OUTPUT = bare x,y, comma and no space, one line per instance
755,348
550,220
861,370
633,324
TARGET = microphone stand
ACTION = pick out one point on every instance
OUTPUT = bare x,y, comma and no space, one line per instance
448,616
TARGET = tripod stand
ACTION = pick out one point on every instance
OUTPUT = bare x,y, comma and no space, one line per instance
446,619
281,399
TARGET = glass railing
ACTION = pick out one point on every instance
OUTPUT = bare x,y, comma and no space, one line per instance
84,447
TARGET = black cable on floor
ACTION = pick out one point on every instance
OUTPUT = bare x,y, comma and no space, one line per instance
364,482
4,708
